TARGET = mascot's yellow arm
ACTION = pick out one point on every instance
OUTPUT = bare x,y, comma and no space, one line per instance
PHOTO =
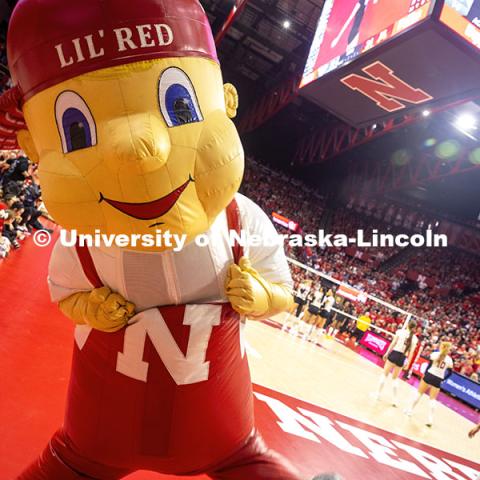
100,309
251,295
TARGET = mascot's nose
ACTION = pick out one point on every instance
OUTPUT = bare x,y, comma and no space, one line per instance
136,143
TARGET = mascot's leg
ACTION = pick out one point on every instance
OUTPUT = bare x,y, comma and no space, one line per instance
51,465
255,462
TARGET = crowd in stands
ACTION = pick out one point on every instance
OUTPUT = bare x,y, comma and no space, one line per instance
5,80
20,196
348,222
275,191
20,201
448,311
451,269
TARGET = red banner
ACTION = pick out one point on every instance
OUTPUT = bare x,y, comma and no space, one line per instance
352,293
358,254
285,222
422,280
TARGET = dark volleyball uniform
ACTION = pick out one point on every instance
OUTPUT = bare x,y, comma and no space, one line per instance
399,354
437,372
326,312
314,305
301,297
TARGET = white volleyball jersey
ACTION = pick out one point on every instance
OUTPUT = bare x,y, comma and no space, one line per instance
328,303
302,291
193,275
317,299
439,369
402,338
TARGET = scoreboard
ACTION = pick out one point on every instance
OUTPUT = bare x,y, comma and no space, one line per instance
370,59
349,28
463,17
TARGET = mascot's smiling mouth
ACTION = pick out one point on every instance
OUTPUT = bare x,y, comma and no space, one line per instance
149,210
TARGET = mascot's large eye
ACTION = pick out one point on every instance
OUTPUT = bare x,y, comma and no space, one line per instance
75,122
178,101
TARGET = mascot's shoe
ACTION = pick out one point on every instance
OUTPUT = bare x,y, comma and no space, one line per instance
328,476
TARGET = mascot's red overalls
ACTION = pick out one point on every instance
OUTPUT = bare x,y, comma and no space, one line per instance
172,391
128,117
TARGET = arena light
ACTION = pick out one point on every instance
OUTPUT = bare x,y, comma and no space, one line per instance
287,24
401,157
466,122
474,156
448,150
430,142
426,113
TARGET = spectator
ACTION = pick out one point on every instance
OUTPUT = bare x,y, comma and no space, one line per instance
9,229
5,246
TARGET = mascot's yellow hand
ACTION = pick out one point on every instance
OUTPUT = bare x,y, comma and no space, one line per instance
251,295
100,309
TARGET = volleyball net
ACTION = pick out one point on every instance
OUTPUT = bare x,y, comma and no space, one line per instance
367,302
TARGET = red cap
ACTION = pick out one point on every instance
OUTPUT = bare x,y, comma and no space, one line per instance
50,41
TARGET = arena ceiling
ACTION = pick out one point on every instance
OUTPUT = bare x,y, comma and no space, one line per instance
258,54
257,45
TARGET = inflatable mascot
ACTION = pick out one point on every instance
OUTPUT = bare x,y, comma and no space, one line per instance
130,122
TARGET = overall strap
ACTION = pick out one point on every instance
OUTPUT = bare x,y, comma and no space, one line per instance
88,266
235,223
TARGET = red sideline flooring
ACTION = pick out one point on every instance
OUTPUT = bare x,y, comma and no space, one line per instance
35,347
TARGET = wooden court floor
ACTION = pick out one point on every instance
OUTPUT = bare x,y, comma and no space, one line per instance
336,378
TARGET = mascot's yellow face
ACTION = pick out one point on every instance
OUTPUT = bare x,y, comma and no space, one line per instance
138,148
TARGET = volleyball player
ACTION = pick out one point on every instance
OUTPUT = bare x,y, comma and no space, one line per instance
313,310
338,318
439,369
325,315
402,348
300,299
326,312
